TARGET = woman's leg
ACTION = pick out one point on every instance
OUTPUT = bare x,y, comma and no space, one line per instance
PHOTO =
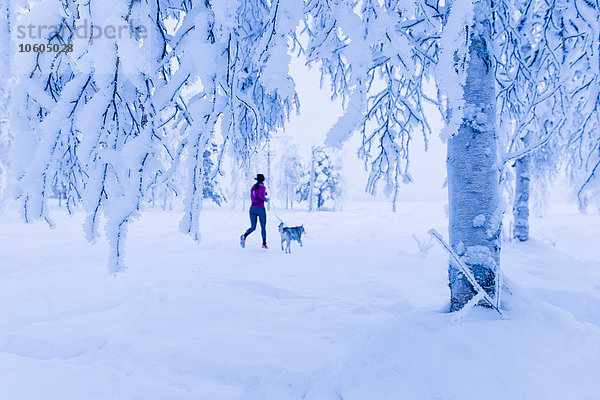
252,228
263,224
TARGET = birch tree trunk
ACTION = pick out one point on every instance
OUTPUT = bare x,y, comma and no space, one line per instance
395,199
287,196
521,206
473,179
312,180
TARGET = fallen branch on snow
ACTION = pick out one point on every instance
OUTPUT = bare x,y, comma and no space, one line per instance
455,259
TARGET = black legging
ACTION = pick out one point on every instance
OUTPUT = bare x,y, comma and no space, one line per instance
261,213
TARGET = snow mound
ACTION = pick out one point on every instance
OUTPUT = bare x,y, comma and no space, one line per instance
537,352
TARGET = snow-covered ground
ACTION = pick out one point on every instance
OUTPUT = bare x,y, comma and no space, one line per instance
357,313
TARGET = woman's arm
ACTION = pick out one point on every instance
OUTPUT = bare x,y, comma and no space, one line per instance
262,193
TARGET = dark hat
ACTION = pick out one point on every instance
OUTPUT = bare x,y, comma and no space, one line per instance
260,178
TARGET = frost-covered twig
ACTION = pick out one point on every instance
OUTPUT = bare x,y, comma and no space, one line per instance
424,246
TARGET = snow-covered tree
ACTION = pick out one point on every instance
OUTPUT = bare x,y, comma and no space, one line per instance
84,119
211,184
402,41
164,193
290,174
582,132
473,192
119,116
245,86
378,60
381,57
321,184
528,183
536,63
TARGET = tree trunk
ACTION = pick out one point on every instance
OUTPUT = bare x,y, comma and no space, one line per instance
473,179
311,181
395,200
521,207
287,196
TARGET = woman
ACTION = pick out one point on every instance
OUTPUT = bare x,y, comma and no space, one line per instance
258,195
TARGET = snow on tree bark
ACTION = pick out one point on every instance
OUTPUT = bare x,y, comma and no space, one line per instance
473,189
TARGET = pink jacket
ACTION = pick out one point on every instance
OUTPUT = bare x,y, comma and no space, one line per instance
258,196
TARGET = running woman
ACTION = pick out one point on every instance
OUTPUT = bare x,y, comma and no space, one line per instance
258,195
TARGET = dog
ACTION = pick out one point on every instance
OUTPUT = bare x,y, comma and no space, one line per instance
289,233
